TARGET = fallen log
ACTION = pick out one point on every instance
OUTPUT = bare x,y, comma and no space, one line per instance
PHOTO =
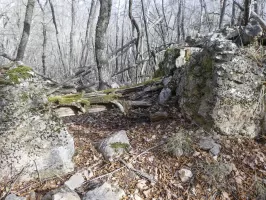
123,98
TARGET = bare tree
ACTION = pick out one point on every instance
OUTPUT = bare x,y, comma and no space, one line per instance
134,25
72,34
247,10
100,39
222,13
26,30
146,28
233,14
44,30
57,37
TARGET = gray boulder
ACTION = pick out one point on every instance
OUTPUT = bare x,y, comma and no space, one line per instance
115,145
63,193
165,95
104,192
209,144
75,181
219,89
32,137
14,197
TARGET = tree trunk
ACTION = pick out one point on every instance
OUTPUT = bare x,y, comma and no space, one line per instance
100,39
44,44
183,21
57,38
26,30
233,14
222,14
246,11
117,38
256,9
179,12
134,25
146,28
72,34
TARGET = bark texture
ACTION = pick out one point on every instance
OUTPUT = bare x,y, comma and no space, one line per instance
26,30
101,40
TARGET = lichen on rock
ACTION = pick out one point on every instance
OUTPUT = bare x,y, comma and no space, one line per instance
30,133
220,87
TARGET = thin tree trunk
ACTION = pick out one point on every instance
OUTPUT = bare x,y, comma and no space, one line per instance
117,38
262,7
179,21
201,15
122,41
256,9
233,14
246,11
100,39
135,26
183,20
162,34
222,14
44,44
72,34
57,33
164,17
26,30
90,53
85,47
146,28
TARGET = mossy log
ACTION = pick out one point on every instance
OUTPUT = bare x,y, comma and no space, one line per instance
73,104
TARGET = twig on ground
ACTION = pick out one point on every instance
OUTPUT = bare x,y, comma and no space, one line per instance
110,173
12,182
138,172
37,171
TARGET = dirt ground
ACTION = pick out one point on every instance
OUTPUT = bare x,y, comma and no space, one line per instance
245,180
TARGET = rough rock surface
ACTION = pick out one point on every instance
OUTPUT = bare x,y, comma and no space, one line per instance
75,181
104,192
14,197
165,95
185,175
31,137
63,193
209,144
220,87
115,145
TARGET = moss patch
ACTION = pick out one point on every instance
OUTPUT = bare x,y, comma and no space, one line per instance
119,145
5,82
24,96
168,63
21,72
103,99
68,99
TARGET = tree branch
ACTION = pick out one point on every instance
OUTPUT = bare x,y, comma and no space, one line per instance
2,54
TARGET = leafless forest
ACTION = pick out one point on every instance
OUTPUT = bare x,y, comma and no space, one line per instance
119,40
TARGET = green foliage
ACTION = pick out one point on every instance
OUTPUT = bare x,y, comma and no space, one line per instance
18,73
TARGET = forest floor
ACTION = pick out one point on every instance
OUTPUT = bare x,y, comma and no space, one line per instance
246,179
